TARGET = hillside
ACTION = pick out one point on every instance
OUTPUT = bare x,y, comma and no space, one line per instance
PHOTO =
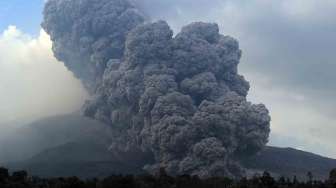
73,145
29,140
289,162
85,160
89,160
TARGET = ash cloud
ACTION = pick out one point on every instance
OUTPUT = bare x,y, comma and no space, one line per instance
86,34
178,98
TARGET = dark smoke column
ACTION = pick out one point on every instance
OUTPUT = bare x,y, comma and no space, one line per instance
87,33
179,99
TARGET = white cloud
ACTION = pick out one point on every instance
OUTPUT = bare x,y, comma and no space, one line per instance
295,121
33,84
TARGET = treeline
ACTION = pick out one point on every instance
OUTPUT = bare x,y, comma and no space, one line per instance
21,179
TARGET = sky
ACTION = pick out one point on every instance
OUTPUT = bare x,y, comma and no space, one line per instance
26,15
288,57
33,84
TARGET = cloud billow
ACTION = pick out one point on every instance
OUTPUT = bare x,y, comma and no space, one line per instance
177,98
33,83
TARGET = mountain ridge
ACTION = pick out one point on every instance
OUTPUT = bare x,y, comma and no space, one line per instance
79,146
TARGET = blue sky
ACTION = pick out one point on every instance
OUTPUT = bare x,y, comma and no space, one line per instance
25,14
288,57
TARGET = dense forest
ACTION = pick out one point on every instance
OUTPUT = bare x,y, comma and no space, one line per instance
21,179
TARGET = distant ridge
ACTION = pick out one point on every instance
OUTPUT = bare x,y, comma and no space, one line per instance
289,162
29,140
85,160
82,151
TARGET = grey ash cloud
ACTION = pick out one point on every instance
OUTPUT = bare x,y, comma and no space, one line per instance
288,58
86,34
177,98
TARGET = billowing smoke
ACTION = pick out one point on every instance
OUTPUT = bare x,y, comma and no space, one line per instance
87,33
177,98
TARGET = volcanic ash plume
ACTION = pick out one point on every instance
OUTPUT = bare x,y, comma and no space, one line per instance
87,33
179,99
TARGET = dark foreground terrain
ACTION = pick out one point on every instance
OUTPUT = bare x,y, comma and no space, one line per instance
22,179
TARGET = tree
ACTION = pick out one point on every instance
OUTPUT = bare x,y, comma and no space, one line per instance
282,181
295,180
267,180
310,177
20,176
3,174
332,176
